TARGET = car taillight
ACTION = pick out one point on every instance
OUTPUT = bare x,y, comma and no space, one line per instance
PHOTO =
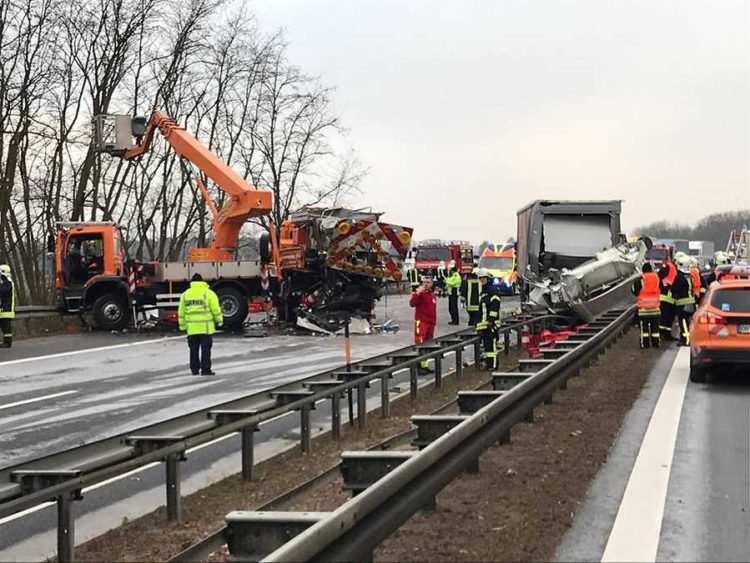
709,318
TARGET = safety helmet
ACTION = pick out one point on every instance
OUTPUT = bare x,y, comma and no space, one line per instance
693,262
683,263
483,273
4,270
679,254
442,264
452,264
475,271
721,257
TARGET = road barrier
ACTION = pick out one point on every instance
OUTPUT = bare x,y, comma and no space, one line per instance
62,476
398,488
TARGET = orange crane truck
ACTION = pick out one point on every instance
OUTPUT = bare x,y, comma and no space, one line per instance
329,263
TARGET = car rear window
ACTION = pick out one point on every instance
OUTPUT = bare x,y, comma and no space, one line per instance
732,300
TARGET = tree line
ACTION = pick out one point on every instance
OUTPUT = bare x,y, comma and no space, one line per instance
204,63
715,227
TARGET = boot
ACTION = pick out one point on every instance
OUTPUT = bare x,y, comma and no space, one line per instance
7,342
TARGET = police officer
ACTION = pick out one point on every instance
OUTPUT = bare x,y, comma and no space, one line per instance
684,299
199,313
7,305
646,289
453,286
489,319
471,289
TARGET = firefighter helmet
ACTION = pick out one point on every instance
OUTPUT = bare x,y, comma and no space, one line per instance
4,270
721,257
683,263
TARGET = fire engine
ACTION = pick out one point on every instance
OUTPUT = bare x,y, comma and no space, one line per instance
431,252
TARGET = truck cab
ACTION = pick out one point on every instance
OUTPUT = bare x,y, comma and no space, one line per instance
90,272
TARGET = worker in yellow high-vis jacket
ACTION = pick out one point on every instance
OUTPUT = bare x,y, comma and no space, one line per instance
7,305
199,314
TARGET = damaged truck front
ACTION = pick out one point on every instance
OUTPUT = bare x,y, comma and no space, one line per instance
334,263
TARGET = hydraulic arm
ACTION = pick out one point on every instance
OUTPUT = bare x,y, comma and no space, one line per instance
114,136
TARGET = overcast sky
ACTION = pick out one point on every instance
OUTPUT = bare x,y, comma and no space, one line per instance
467,110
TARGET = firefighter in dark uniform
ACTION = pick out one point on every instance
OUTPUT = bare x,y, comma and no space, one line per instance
414,278
471,289
684,299
647,291
667,275
489,320
7,305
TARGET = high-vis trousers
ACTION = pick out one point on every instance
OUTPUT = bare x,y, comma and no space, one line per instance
489,347
667,314
649,330
684,314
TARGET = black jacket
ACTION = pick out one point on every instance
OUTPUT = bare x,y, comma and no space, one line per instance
6,295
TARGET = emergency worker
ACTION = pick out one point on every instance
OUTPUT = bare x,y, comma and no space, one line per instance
413,276
7,305
489,319
684,299
425,315
453,286
722,259
471,289
647,291
695,275
667,274
199,313
440,278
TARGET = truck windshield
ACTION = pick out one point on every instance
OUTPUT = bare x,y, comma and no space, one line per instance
732,300
502,263
434,254
657,254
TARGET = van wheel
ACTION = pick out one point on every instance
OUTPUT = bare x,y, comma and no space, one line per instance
111,312
697,373
233,307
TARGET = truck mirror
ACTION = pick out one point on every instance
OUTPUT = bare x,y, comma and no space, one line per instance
50,243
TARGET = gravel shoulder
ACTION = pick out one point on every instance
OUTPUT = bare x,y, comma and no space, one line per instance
527,493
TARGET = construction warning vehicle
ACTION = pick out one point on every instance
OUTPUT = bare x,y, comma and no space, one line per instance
327,262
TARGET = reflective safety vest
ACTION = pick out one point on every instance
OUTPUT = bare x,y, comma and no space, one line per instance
413,275
698,288
441,274
671,275
199,311
453,283
648,298
473,292
490,310
7,298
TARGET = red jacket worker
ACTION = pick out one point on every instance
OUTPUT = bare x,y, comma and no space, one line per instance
425,315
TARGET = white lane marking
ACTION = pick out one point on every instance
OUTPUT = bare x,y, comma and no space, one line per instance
637,528
37,399
88,350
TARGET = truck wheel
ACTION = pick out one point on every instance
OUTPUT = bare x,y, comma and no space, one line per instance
233,306
111,312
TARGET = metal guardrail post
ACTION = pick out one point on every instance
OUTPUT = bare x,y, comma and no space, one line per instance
385,400
174,504
438,372
459,361
305,437
413,382
506,341
477,352
336,416
66,527
362,406
248,451
519,337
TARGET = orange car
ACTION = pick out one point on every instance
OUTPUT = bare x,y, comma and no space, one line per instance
720,329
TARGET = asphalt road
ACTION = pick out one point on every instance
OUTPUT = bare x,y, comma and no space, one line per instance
125,382
677,484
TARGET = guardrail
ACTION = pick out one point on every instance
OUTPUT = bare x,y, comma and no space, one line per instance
36,311
355,529
62,476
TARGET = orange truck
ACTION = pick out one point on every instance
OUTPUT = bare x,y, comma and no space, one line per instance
328,264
